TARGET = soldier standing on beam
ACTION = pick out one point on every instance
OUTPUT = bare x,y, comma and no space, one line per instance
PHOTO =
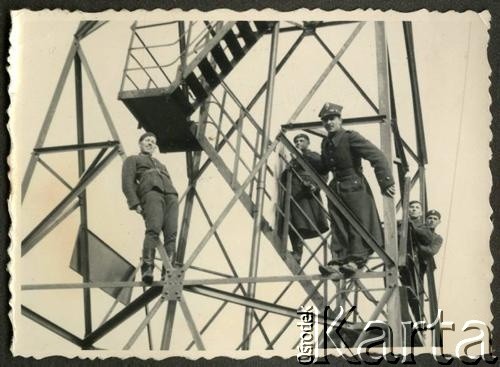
149,191
341,153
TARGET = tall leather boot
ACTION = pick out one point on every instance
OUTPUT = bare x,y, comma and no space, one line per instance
147,266
298,248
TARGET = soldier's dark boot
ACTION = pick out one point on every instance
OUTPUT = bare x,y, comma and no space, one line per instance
351,267
147,266
297,251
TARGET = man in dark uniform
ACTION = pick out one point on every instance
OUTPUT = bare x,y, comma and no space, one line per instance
428,242
341,153
307,215
149,191
408,274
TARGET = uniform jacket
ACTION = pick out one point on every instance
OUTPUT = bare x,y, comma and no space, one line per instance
305,194
342,152
428,241
302,183
142,173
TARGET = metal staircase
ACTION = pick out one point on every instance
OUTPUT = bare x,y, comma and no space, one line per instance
165,111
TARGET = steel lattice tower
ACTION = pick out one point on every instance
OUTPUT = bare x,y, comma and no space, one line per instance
166,103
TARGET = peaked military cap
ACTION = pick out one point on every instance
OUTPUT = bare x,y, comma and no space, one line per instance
300,136
433,212
330,109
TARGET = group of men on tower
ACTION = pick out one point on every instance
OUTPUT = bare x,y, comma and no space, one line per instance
342,152
148,188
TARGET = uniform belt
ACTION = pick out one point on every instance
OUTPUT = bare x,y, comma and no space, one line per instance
149,170
339,174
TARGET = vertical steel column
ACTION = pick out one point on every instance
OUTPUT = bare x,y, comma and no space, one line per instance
417,109
261,181
192,163
390,236
182,56
83,253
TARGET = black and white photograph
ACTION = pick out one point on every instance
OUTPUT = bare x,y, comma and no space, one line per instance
255,183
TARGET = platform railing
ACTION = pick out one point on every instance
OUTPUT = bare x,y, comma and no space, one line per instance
145,68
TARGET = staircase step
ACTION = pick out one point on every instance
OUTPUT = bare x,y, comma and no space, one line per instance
247,33
221,59
195,85
209,73
234,46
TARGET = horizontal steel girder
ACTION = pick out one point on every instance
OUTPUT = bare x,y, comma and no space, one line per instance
210,281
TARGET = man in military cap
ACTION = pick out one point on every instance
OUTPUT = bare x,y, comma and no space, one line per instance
148,188
428,242
341,153
307,215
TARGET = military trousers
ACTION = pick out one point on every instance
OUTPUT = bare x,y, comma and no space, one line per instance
160,212
347,243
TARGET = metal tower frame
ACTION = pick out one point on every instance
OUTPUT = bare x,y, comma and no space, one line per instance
393,256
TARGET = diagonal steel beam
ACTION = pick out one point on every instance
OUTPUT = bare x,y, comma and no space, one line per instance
123,315
282,293
347,73
239,190
213,317
100,101
34,237
191,324
56,222
247,302
378,309
39,319
54,173
143,324
325,73
94,28
249,206
42,135
227,258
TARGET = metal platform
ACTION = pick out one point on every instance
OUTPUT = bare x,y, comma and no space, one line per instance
166,111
